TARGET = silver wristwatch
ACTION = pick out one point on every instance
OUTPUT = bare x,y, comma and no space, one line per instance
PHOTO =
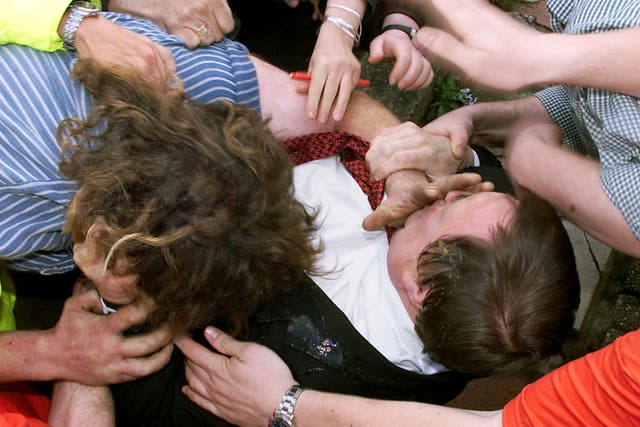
283,415
77,12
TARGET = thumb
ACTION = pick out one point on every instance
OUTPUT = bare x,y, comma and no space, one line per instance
376,219
222,342
459,141
443,47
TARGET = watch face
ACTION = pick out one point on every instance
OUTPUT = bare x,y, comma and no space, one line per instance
278,422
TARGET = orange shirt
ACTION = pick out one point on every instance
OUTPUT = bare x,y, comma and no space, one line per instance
599,389
22,406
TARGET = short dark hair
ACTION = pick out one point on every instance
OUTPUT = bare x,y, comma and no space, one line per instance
502,306
197,200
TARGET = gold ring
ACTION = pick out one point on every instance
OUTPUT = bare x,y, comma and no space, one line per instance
202,31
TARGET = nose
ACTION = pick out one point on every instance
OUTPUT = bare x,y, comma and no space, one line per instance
452,195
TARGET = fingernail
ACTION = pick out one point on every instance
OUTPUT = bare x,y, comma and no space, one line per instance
311,114
211,332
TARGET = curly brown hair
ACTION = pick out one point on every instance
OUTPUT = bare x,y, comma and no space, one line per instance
197,200
503,306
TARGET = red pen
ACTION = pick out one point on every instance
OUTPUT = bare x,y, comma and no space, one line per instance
301,75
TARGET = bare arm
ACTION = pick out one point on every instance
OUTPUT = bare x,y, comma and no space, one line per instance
489,124
486,46
571,183
85,347
77,405
283,101
326,409
246,381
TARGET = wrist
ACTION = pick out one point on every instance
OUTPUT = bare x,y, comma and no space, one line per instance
73,19
283,415
347,17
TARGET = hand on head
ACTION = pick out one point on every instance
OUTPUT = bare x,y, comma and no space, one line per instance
410,190
90,348
109,44
407,146
243,383
196,22
480,43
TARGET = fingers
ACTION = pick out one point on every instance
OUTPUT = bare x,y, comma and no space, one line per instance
329,92
346,87
471,182
146,344
224,343
419,75
378,218
138,366
193,351
445,49
86,301
459,140
188,35
316,86
130,315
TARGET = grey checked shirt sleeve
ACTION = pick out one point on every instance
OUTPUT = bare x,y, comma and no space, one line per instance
556,101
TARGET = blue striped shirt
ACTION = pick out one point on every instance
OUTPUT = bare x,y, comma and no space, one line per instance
36,94
598,122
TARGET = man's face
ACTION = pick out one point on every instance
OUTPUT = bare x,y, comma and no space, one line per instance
459,214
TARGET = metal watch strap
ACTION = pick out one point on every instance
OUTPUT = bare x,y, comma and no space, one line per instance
410,31
284,412
77,12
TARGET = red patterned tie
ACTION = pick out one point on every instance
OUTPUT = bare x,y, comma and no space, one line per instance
351,149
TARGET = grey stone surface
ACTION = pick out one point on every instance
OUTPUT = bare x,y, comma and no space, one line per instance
615,308
589,269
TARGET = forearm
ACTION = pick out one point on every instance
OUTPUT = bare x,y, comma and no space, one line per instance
27,356
366,117
600,60
79,405
324,409
493,122
571,183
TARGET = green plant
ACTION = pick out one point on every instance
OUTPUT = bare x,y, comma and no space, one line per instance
447,96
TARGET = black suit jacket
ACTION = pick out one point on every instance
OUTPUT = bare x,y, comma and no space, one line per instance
318,343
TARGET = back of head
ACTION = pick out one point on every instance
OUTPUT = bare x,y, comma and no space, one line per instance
197,200
503,306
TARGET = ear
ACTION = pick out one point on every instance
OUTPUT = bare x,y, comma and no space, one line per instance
413,292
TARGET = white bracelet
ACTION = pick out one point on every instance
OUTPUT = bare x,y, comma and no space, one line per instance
347,28
346,9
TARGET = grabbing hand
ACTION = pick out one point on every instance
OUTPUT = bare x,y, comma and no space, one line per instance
410,190
90,348
481,44
196,22
243,384
407,146
411,69
334,74
109,44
